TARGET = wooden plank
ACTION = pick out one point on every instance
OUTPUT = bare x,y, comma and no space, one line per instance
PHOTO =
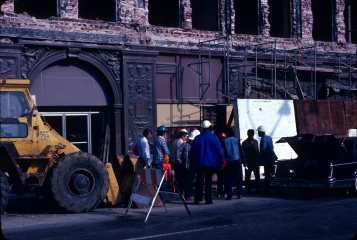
351,115
305,116
338,120
322,117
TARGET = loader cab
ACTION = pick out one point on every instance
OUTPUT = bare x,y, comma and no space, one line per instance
14,108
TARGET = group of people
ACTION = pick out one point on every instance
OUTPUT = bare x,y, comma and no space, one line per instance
203,153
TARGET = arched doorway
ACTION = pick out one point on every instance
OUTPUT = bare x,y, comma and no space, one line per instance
74,96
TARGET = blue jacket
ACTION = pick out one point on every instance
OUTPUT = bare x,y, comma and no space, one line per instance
231,150
267,155
206,150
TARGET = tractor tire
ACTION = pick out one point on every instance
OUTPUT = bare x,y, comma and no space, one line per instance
5,190
79,182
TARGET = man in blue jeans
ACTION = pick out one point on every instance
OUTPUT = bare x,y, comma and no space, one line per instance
266,157
234,157
160,148
206,154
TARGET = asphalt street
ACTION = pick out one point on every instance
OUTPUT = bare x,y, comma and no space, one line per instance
284,215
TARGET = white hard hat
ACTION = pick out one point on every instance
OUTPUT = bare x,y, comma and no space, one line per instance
206,124
183,130
261,128
193,134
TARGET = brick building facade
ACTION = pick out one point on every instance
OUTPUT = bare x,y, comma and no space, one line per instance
137,64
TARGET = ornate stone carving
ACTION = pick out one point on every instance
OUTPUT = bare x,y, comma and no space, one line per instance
7,68
234,82
140,100
30,56
113,61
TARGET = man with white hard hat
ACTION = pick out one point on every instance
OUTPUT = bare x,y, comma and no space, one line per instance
266,156
206,153
177,163
188,169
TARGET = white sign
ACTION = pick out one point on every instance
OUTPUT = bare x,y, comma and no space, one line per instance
277,116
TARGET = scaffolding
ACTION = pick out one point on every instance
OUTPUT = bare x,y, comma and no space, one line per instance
296,73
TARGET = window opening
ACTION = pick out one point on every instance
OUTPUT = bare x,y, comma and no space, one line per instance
350,16
205,15
246,17
97,10
322,13
40,9
164,13
279,18
79,128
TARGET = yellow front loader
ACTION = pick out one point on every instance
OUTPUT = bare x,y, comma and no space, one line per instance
34,155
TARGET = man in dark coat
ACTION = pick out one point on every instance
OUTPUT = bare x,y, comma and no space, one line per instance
251,149
206,153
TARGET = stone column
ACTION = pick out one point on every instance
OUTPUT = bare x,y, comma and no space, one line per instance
118,131
264,23
139,70
185,14
7,6
306,20
233,16
340,29
133,11
68,9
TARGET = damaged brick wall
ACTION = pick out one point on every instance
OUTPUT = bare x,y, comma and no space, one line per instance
8,6
132,27
69,9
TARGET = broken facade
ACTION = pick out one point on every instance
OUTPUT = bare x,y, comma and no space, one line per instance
135,64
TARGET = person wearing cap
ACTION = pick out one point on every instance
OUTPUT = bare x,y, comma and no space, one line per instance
188,168
206,154
177,163
251,149
266,156
160,148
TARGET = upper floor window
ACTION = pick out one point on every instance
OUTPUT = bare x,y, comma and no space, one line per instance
164,13
279,18
40,9
246,17
97,10
323,20
205,15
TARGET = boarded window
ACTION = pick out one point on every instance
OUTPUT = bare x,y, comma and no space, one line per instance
205,15
97,10
279,18
350,15
164,13
246,19
322,13
40,9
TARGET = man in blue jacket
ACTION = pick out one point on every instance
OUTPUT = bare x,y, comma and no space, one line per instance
206,154
266,156
235,156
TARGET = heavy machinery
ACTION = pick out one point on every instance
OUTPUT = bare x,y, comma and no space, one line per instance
34,155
